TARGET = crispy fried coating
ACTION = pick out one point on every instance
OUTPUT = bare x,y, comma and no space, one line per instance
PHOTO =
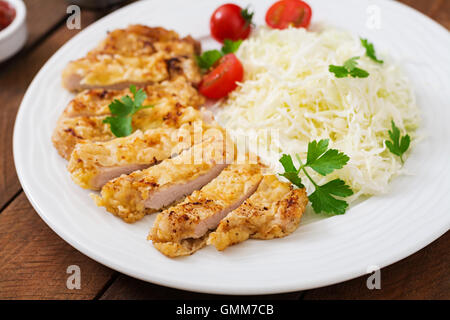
137,55
273,211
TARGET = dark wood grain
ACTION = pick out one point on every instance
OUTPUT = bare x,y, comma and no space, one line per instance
427,7
125,287
441,13
424,275
438,10
34,260
15,78
39,27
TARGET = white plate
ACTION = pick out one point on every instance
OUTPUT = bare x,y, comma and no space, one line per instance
378,231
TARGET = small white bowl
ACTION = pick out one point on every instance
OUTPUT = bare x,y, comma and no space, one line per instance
13,37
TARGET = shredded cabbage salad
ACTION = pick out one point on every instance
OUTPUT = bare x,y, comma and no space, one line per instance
289,98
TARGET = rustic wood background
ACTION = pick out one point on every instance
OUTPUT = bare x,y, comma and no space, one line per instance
33,259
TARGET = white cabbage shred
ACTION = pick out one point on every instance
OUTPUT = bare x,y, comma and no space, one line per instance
289,98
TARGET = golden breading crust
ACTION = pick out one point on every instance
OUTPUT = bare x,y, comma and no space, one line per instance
133,196
70,131
203,210
137,55
273,211
92,164
83,117
182,248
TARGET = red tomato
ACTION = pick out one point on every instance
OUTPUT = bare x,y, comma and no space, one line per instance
222,79
229,21
285,13
7,14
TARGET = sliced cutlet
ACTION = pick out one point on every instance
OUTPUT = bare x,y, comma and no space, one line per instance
177,228
133,196
175,102
92,164
273,211
138,55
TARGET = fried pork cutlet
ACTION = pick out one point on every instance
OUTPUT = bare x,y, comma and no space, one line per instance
137,55
273,211
133,196
181,229
92,164
83,118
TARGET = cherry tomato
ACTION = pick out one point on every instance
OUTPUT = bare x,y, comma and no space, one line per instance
230,21
222,79
285,13
7,14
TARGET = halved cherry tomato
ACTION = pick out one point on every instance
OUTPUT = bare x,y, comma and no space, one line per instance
230,21
222,79
285,13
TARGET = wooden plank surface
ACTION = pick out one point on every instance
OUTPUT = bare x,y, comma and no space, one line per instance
15,76
424,275
438,10
442,13
33,259
127,288
39,27
425,6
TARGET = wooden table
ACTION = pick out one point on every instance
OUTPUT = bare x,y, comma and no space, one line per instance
34,260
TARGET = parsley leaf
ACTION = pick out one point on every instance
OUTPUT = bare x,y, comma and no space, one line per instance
339,72
316,149
322,199
230,46
123,110
324,161
348,69
351,63
210,57
291,172
359,73
337,187
120,127
370,50
398,145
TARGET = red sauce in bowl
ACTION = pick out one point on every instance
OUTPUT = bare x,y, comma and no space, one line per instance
7,14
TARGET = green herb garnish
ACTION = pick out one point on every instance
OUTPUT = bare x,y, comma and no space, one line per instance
123,110
348,69
398,145
210,57
247,15
370,50
323,161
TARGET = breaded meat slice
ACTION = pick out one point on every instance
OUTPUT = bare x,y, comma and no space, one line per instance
203,210
175,102
273,211
133,196
95,102
183,247
138,55
92,164
70,131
